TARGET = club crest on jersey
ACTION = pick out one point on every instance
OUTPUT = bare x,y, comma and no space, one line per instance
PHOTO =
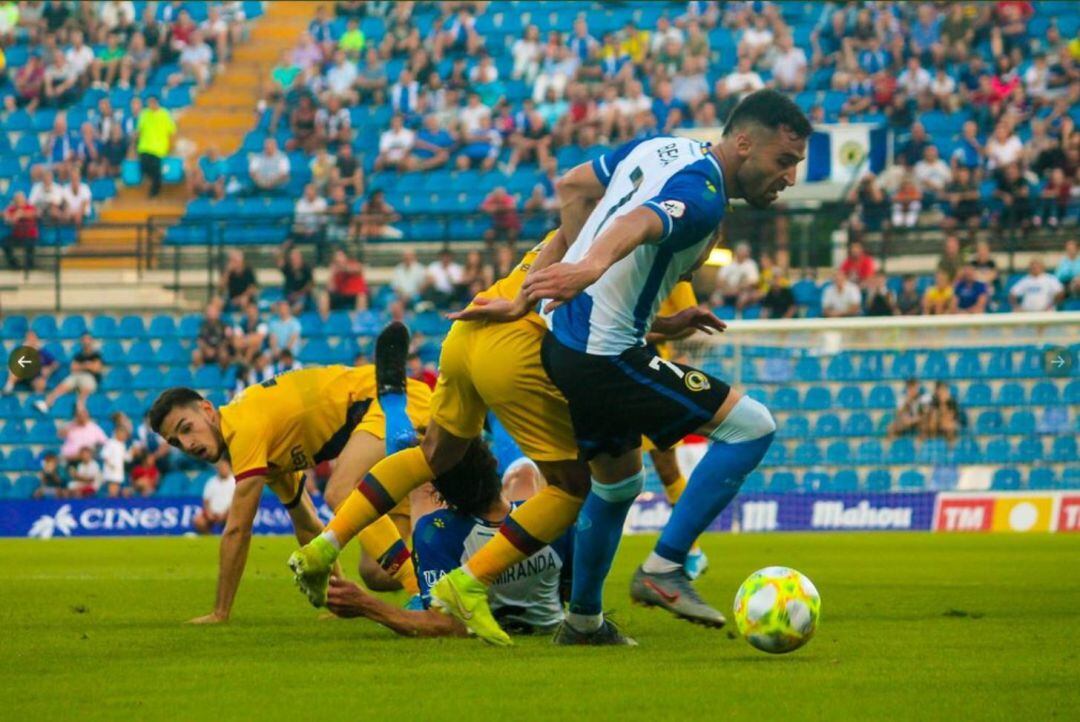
675,209
696,381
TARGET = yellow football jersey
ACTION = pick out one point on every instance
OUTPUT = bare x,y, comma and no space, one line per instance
682,297
509,286
299,419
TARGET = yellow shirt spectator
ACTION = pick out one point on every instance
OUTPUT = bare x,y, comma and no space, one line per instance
156,129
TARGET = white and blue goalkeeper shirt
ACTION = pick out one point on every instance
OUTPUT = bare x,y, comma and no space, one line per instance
680,181
527,593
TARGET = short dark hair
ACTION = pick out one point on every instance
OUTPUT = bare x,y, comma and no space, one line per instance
771,109
169,400
473,484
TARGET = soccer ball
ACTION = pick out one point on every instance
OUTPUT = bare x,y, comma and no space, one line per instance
776,609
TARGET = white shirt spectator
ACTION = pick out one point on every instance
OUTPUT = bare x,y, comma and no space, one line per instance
934,176
1000,154
527,54
1035,80
340,78
1037,293
632,106
738,275
471,116
218,493
42,197
268,168
943,84
841,301
79,58
660,38
78,199
111,13
743,83
396,144
790,67
408,280
309,215
914,83
755,38
444,278
89,472
196,54
113,455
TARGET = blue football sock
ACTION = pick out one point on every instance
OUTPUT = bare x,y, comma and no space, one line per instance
400,433
596,539
712,486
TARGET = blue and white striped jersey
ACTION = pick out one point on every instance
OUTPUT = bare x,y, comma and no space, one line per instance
680,181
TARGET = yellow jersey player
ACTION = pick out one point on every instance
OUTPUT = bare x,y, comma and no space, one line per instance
271,433
484,365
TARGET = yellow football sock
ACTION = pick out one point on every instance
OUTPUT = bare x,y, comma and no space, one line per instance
675,489
539,521
386,484
382,542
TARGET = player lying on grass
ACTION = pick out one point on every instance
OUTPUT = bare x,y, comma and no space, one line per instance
657,221
525,599
272,432
483,366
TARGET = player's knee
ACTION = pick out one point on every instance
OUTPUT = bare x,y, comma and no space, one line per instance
748,420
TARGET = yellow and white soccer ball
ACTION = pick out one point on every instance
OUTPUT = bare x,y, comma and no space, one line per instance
776,609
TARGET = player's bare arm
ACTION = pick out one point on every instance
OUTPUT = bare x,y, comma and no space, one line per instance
563,281
578,191
346,599
235,542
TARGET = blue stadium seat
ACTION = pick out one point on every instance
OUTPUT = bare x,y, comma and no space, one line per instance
841,368
132,405
1006,480
808,368
827,425
14,327
871,366
1030,449
207,377
1045,393
977,394
43,432
45,327
172,484
850,397
807,454
816,481
936,366
838,453
795,427
903,365
72,327
1000,364
112,353
998,451
172,352
338,324
162,327
989,422
932,451
1042,478
879,480
148,377
99,406
818,398
776,455
858,424
311,325
1072,392
132,327
844,480
869,452
755,482
1070,478
1011,394
901,451
178,376
1064,448
911,480
967,451
882,397
22,460
316,351
782,482
117,379
140,353
1022,422
104,327
968,365
785,399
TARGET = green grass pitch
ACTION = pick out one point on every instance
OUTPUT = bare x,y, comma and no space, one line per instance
914,626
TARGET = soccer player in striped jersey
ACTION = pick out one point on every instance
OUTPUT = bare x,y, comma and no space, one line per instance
664,200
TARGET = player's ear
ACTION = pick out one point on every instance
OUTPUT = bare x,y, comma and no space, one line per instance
743,143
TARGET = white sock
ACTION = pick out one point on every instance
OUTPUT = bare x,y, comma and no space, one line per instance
332,538
585,622
657,564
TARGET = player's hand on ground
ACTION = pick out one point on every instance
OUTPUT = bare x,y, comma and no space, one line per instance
492,309
696,317
345,598
559,282
212,618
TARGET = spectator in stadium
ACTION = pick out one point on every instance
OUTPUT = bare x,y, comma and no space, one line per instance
859,266
416,369
283,331
932,173
114,151
205,175
943,415
306,132
338,222
348,171
48,366
912,412
527,52
1068,269
30,83
1036,291
298,280
21,218
530,139
405,94
841,297
971,295
353,40
914,149
155,131
543,196
47,197
943,91
81,433
939,298
969,152
408,277
196,60
962,207
871,205
309,217
737,281
878,300
78,201
138,61
906,204
395,145
61,81
249,334
739,83
501,207
144,475
789,65
269,170
214,341
341,80
346,289
216,500
85,474
1054,199
375,217
915,83
1004,148
480,148
52,478
909,301
372,81
985,266
779,300
756,40
114,458
107,62
505,262
431,147
458,34
286,361
475,275
1015,195
84,375
87,152
238,285
951,258
445,277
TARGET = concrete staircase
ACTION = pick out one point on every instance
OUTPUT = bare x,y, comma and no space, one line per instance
219,117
